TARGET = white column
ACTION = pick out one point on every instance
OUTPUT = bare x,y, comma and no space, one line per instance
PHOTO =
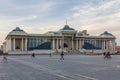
107,44
22,44
10,47
13,44
53,44
25,44
76,44
98,43
111,44
57,44
72,44
103,44
79,43
60,43
114,45
82,42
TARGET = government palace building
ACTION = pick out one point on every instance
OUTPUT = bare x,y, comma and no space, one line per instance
65,39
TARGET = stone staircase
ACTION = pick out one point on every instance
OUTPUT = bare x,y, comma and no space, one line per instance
68,52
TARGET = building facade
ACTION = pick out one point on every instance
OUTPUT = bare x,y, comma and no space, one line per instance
67,39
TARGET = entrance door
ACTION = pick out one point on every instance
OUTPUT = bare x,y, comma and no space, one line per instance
67,43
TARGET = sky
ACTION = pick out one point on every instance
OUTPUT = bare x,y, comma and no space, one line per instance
40,16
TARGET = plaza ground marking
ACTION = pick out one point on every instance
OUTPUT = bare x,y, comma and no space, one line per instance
57,73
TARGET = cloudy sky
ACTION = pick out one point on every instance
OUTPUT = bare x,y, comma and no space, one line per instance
40,16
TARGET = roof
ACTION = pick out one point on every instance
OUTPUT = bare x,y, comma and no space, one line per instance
107,34
66,27
17,31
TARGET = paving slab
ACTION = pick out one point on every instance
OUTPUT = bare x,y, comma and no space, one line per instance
74,67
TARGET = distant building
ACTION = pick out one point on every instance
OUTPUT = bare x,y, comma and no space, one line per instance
64,39
118,49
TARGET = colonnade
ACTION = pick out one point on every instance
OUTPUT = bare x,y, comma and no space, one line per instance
108,44
58,43
77,44
17,44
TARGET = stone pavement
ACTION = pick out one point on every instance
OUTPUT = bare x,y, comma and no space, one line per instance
74,67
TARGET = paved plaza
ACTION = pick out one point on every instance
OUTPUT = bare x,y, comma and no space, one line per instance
73,67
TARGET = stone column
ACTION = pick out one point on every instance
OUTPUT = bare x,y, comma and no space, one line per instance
103,44
25,44
111,44
10,47
82,43
53,44
13,44
72,43
57,45
107,44
76,44
98,43
79,43
60,43
114,45
22,44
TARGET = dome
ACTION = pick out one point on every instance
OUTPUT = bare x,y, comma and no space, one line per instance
106,34
17,31
66,27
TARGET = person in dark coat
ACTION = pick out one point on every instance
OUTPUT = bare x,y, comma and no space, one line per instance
33,55
62,54
104,54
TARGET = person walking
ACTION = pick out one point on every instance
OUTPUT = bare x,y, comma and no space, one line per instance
33,55
50,54
4,57
108,55
62,54
104,54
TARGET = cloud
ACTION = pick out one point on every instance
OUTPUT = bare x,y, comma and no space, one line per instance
15,13
39,16
98,18
91,10
108,12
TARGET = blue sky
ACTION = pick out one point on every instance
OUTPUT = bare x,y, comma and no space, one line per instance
40,16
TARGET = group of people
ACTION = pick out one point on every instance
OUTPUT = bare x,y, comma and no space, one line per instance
62,54
33,55
107,55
